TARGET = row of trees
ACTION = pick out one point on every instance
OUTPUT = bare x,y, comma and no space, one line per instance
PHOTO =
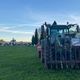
38,35
35,38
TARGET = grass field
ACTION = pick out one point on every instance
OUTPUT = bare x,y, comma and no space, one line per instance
22,63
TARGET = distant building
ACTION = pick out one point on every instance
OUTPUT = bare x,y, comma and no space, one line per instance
13,42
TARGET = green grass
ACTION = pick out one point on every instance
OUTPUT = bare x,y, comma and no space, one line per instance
22,63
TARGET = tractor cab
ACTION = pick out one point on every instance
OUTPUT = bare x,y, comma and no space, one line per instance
60,33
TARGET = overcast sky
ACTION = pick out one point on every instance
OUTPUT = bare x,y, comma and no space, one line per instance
19,18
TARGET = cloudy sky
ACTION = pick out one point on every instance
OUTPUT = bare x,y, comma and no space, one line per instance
19,18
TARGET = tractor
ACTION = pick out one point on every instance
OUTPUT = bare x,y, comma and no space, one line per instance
56,48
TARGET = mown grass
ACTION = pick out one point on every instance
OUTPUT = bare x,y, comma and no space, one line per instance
22,63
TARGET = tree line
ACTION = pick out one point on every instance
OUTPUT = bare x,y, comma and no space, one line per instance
38,35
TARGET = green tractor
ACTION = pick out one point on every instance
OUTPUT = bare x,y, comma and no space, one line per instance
55,44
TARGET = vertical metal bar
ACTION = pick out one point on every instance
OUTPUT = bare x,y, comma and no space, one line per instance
50,50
